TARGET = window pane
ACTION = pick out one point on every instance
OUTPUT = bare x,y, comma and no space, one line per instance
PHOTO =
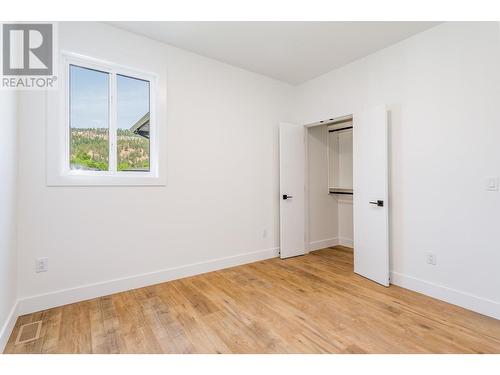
133,124
89,119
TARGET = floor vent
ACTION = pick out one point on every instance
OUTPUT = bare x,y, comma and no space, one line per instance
29,332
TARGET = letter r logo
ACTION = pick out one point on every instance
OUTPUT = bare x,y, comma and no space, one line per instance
27,49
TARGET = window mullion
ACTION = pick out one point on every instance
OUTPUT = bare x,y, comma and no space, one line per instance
112,124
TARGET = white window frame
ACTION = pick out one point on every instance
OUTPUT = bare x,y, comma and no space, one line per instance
59,172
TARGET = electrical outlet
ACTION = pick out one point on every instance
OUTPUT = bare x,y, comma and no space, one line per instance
42,265
431,258
264,233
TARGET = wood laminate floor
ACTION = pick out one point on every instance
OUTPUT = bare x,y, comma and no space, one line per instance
309,304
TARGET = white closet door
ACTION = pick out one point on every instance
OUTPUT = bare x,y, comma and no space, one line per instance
370,183
292,186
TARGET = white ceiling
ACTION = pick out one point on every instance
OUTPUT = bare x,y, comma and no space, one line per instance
293,52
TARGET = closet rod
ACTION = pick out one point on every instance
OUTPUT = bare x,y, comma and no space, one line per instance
337,130
341,192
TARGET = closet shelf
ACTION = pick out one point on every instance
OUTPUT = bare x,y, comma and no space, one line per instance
340,191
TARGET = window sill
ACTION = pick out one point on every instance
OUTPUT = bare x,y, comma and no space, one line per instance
126,179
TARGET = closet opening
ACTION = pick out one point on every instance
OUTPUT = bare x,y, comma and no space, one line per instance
329,183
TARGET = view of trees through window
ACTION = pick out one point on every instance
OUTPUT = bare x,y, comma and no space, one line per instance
89,149
89,121
132,117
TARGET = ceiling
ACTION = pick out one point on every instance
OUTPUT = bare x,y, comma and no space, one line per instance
292,52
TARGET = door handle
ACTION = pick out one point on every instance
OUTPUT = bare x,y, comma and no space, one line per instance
286,196
379,203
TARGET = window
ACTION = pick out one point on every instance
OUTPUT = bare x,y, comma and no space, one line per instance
132,96
88,119
107,126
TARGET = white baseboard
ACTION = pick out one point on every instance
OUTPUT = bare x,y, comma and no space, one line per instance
8,326
317,245
348,242
81,293
466,300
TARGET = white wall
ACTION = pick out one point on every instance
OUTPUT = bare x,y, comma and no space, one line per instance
322,209
340,158
345,220
8,178
222,180
443,90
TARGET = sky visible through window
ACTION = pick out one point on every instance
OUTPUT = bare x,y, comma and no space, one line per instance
133,100
89,99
